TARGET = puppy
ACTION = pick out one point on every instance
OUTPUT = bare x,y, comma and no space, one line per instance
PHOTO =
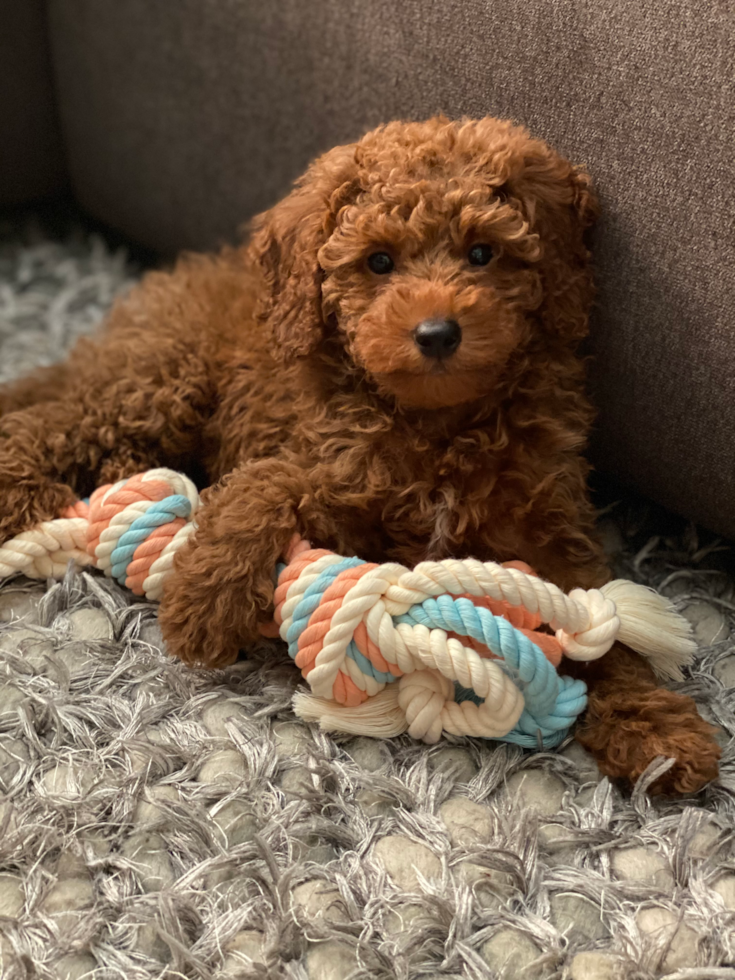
388,367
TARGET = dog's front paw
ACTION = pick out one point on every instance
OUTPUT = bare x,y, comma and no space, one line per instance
625,732
206,622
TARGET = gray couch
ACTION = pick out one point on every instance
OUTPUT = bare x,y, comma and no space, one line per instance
181,119
31,153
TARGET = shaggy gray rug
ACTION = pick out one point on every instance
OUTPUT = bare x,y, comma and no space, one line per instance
159,822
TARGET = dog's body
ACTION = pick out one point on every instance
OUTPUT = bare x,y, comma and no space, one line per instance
388,368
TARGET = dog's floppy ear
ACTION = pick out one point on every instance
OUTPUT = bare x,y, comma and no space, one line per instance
285,243
585,201
560,205
546,181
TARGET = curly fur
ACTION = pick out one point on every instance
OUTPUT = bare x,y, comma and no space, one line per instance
630,721
284,374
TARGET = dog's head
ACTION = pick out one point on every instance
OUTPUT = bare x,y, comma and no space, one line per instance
435,253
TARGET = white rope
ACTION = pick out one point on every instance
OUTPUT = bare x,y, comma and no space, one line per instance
510,585
427,698
421,703
603,626
45,551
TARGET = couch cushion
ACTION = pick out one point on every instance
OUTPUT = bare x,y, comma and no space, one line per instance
31,163
182,119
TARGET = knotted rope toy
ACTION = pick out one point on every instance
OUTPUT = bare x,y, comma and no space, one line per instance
449,646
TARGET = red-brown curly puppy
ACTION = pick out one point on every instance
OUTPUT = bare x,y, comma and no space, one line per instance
388,368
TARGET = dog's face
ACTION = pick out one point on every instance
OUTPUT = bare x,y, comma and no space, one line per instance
437,252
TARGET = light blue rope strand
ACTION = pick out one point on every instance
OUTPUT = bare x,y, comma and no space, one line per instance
533,671
552,703
571,702
159,513
524,661
532,734
548,741
366,667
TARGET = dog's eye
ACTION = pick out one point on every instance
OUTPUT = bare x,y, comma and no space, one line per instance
480,254
380,263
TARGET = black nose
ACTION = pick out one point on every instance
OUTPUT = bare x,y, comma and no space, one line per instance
438,338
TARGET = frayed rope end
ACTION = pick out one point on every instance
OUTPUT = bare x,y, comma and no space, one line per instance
650,625
379,717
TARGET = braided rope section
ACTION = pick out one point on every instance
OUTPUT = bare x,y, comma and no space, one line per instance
130,530
46,550
449,646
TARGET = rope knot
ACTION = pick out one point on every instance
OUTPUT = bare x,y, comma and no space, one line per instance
604,625
422,696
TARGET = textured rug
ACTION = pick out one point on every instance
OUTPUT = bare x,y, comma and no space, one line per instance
160,822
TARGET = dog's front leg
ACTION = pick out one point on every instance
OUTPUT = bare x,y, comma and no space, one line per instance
221,589
571,558
556,534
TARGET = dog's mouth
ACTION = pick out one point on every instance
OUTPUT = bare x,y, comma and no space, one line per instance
439,367
439,387
443,382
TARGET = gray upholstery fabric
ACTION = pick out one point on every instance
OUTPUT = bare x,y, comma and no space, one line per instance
182,119
31,163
